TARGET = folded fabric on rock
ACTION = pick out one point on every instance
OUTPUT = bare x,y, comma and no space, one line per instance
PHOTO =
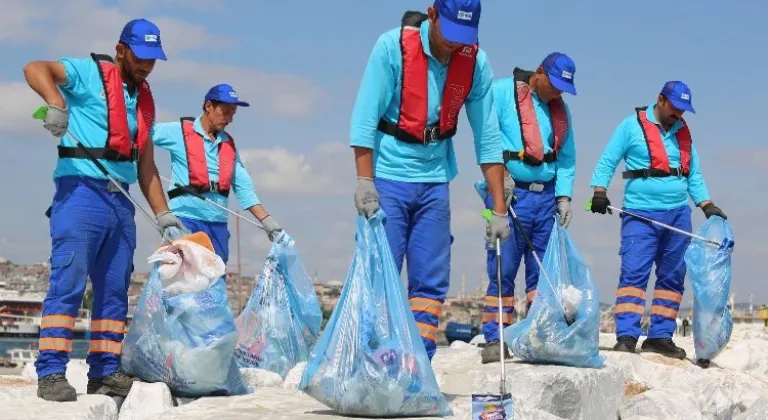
709,270
281,321
563,324
370,359
183,331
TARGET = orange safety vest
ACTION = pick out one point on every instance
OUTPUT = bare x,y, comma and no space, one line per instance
412,125
118,146
659,166
533,145
197,163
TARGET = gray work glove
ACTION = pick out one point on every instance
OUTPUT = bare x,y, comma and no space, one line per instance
366,197
167,221
497,227
564,211
271,228
509,190
56,121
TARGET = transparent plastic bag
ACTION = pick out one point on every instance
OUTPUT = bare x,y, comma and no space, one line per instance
281,321
563,324
709,270
182,335
370,360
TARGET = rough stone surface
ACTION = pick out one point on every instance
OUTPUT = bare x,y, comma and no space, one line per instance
642,386
146,400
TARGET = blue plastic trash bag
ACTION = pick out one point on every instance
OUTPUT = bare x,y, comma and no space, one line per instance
492,407
370,360
563,324
709,270
282,319
183,331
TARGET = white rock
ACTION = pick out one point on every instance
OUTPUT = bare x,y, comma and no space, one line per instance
478,339
87,407
293,378
667,404
146,400
258,378
757,411
14,387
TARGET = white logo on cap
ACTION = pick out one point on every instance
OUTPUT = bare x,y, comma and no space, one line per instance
465,15
567,75
150,38
685,97
233,94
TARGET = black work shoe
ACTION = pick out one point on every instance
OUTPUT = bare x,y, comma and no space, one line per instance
492,352
626,344
663,346
55,387
117,384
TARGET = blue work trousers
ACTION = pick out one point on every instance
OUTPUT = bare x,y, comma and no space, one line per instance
418,227
535,210
217,231
93,235
642,245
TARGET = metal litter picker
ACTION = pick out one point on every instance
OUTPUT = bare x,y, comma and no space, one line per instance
491,406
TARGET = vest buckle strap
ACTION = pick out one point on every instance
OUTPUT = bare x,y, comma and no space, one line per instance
431,134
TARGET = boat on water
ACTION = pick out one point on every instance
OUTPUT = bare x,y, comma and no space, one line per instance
21,314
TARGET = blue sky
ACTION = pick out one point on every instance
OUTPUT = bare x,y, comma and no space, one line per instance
294,137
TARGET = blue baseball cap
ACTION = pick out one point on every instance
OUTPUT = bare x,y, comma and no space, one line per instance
561,70
459,20
679,94
224,93
143,37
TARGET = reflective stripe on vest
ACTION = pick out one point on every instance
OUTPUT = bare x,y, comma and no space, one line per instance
197,163
412,125
533,145
118,145
657,153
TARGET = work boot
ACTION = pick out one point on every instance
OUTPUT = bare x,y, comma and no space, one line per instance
492,352
626,344
55,387
663,346
117,384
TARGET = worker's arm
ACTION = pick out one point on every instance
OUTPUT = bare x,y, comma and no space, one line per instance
164,134
612,155
149,180
566,162
373,97
44,77
483,119
245,190
697,188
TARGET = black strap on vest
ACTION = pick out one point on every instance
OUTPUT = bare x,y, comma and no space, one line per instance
520,75
104,153
652,173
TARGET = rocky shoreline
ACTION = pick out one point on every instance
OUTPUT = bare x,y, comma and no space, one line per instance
643,386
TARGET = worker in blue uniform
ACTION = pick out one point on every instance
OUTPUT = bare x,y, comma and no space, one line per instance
106,104
662,165
417,79
204,160
540,160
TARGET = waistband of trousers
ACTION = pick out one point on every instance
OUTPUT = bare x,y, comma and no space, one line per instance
92,183
535,185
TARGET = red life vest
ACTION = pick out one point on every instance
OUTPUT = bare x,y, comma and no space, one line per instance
659,167
197,163
119,146
412,125
533,145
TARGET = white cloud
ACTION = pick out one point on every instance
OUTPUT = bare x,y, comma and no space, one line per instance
286,172
17,107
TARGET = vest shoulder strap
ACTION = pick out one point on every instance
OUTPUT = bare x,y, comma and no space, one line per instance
102,57
413,18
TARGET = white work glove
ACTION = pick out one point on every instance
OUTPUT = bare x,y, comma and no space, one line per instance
167,221
271,228
564,211
366,197
497,227
56,121
509,190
